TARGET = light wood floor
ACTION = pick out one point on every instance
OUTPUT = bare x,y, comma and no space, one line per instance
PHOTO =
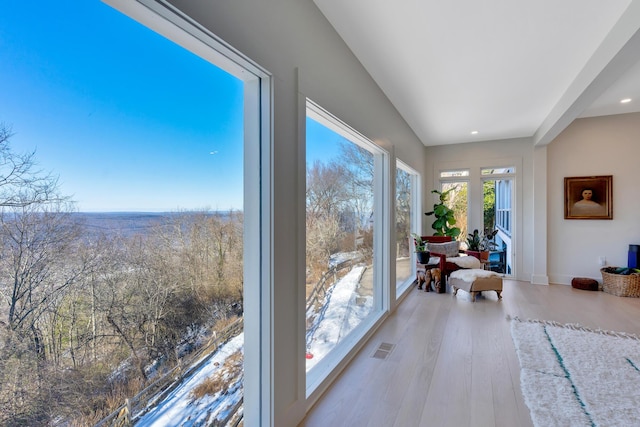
454,363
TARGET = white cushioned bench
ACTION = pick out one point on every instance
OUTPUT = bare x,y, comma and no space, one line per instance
475,281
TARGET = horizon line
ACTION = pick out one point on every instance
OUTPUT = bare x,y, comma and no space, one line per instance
157,211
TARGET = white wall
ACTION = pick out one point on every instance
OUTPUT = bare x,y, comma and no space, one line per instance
608,145
293,41
516,152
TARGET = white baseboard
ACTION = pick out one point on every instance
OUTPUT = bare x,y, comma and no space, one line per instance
539,279
561,279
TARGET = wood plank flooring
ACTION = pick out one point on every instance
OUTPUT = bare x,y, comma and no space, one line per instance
454,363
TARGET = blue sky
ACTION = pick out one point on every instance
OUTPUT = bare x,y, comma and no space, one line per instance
323,144
124,117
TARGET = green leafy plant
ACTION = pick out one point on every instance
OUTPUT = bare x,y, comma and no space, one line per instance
444,224
479,242
474,240
421,245
422,250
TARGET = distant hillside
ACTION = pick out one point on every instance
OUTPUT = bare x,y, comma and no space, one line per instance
131,223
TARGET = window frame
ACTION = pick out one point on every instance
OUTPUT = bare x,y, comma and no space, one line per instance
318,378
258,189
452,176
414,222
510,176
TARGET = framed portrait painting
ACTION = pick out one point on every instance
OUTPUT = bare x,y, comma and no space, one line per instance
588,197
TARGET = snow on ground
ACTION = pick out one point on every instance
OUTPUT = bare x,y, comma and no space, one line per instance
179,409
341,257
339,316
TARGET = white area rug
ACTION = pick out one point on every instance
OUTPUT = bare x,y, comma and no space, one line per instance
573,376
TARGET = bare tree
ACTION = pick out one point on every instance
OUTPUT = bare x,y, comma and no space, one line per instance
36,243
359,163
22,396
403,212
37,238
21,183
326,189
211,257
70,321
359,166
324,235
327,200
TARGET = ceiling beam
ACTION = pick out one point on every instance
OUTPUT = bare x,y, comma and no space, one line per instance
617,53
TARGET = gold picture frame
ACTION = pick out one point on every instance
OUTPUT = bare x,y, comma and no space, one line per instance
588,197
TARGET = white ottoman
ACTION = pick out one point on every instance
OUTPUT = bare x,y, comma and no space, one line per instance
475,281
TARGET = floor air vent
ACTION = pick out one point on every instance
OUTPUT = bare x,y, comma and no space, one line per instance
383,351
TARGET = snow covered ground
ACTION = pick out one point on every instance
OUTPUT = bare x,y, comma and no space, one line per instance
339,315
179,408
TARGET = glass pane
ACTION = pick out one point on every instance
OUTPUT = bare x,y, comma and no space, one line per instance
454,174
458,202
497,219
339,239
497,171
138,275
489,205
404,216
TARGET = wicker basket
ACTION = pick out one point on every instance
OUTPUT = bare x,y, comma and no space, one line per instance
621,285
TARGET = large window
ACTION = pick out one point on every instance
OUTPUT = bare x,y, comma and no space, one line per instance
457,182
344,232
133,271
406,221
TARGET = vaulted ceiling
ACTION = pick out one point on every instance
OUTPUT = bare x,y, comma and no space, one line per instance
500,68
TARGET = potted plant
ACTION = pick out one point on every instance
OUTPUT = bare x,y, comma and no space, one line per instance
480,244
422,253
445,216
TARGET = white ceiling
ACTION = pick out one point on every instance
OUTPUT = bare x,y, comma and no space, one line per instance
503,68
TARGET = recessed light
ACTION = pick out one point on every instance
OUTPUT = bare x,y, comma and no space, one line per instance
624,101
474,132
